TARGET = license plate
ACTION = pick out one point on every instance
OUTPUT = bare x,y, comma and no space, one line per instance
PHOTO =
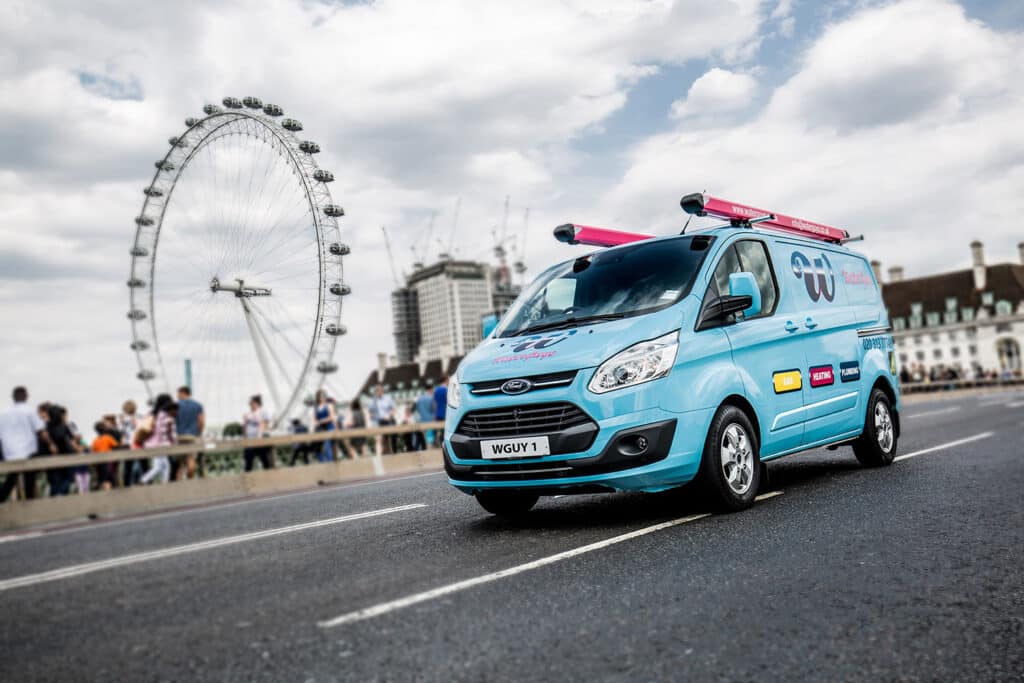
527,447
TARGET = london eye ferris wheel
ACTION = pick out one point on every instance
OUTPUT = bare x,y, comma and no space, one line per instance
236,281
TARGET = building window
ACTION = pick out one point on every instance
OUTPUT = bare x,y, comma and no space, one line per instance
951,304
917,340
935,338
933,319
1003,328
952,335
955,351
972,349
987,298
915,321
1008,351
949,317
937,353
971,332
916,310
899,324
919,355
1004,308
903,358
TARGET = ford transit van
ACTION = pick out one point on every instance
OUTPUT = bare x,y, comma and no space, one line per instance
656,361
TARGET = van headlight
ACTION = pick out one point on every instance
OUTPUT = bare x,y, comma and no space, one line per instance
454,396
638,364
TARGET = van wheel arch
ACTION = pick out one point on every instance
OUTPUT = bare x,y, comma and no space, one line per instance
883,385
743,404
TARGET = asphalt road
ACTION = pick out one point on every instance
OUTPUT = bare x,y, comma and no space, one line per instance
909,573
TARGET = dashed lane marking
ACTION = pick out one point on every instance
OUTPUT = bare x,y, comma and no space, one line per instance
441,591
944,446
80,569
929,413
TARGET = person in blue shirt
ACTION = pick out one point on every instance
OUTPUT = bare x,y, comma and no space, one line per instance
190,424
441,401
425,411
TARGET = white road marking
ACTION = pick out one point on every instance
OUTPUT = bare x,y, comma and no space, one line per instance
1015,404
206,507
441,591
929,413
80,569
944,446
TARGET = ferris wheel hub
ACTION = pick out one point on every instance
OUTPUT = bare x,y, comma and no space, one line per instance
239,289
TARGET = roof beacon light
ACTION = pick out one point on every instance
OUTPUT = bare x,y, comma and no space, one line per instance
699,204
570,233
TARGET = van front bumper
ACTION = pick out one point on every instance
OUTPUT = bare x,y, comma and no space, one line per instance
628,453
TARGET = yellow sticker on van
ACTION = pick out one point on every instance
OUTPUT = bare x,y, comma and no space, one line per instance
789,380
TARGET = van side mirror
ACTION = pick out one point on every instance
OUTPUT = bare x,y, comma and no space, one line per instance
745,284
717,312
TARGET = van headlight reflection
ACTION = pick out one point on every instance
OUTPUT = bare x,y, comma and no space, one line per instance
639,363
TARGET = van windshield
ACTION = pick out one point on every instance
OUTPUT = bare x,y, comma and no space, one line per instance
605,285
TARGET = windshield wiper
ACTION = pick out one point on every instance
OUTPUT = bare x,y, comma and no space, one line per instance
567,322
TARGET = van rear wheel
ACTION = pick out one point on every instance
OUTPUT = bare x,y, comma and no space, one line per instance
876,446
507,503
730,468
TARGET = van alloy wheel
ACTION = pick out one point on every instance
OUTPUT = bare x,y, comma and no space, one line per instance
883,427
737,459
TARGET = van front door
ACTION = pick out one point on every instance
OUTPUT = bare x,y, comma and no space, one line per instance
767,355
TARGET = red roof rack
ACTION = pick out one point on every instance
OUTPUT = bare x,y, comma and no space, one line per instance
700,204
570,233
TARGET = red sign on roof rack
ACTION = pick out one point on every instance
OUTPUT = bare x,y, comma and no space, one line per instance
738,214
571,233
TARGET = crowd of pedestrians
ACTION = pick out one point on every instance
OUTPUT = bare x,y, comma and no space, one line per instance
46,429
918,373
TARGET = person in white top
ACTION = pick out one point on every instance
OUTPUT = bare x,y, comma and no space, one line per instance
257,424
21,432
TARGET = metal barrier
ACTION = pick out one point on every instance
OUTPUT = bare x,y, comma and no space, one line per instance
43,463
952,385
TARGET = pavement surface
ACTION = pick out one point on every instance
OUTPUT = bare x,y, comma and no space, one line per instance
913,572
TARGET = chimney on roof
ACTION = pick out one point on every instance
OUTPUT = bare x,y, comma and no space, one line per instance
876,266
896,274
978,263
382,366
1020,251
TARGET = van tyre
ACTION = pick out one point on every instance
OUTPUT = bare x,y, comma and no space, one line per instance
876,446
507,503
730,467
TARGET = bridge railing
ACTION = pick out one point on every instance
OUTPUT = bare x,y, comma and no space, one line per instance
951,385
217,446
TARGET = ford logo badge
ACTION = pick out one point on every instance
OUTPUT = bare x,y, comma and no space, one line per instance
516,386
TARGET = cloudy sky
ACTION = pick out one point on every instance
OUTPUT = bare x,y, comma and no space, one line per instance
900,120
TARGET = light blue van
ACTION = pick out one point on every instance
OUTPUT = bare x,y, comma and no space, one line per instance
700,356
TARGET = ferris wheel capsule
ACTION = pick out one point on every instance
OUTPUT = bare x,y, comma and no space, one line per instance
143,220
152,192
326,367
322,175
334,211
211,109
309,147
232,102
136,314
164,165
339,289
293,125
175,141
139,251
191,121
339,249
139,345
136,283
335,330
146,375
272,110
252,102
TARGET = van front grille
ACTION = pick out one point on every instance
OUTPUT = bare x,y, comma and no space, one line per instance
542,418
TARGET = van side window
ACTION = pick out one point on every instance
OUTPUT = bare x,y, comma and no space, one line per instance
754,259
729,264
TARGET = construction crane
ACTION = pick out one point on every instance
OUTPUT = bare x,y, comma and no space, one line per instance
423,240
391,257
446,249
520,263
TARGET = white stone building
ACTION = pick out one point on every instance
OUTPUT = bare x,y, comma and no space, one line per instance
970,320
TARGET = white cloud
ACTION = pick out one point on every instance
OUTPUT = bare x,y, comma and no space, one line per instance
413,103
716,92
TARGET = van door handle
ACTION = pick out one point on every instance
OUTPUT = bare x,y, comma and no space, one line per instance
791,326
810,323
